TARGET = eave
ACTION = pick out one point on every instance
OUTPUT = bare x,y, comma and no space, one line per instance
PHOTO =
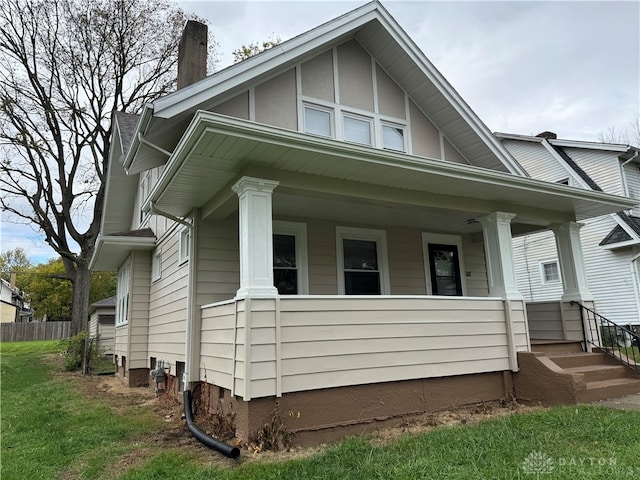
112,250
216,149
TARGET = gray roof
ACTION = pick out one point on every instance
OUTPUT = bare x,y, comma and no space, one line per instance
145,232
105,302
576,168
618,234
127,123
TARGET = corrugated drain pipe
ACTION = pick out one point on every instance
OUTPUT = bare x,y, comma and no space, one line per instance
209,441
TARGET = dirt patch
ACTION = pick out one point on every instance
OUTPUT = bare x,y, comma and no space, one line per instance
175,436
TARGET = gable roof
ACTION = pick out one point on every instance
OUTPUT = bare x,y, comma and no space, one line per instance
376,30
575,167
626,233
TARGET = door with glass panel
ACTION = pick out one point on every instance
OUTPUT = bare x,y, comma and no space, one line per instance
444,264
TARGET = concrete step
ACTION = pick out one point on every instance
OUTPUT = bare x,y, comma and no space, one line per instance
604,389
556,346
595,373
582,359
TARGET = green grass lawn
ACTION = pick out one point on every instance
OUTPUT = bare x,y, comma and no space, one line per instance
50,431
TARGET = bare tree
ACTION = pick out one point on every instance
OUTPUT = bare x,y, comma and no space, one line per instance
66,66
630,136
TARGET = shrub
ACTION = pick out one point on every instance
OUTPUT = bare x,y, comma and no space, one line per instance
74,351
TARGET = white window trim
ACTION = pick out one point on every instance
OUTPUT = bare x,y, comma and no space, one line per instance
299,231
145,189
184,233
123,294
543,277
156,265
378,236
443,239
321,108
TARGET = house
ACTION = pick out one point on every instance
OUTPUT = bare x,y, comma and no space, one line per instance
12,305
610,243
326,227
102,315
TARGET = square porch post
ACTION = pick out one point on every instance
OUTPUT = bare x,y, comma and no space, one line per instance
496,228
574,282
256,242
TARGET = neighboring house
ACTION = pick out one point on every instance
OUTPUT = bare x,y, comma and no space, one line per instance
610,243
102,316
328,224
12,305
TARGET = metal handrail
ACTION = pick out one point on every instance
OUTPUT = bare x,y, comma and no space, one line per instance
619,342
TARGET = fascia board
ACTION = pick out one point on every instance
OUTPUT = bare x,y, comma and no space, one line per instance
452,96
104,241
612,147
204,122
243,72
615,246
515,136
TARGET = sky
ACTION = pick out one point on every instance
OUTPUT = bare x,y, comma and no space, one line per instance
522,66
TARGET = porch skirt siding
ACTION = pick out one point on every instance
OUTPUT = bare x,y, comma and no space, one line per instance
292,344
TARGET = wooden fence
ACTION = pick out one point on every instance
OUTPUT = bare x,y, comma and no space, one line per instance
30,332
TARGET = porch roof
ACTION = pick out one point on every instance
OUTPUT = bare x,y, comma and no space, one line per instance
216,150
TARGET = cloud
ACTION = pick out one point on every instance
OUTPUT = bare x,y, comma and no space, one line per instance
13,235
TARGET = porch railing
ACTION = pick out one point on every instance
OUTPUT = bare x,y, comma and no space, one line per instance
621,343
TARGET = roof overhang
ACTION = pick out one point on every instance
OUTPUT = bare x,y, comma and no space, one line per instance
215,150
112,250
374,28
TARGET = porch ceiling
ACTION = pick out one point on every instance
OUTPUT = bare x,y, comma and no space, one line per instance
215,150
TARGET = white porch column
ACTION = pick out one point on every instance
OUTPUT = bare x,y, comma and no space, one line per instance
498,249
574,279
256,242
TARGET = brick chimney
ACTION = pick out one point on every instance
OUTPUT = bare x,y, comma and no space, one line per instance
12,280
192,54
547,135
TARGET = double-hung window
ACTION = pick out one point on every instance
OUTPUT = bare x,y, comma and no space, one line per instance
185,245
290,258
550,272
122,294
362,261
357,129
393,137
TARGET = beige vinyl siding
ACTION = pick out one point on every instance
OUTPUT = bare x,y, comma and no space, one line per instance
406,264
121,344
275,101
321,240
537,161
475,274
302,343
519,325
218,261
390,96
217,344
168,305
545,320
317,77
237,107
572,320
424,135
602,166
139,315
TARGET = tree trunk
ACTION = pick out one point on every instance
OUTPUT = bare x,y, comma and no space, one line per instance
80,305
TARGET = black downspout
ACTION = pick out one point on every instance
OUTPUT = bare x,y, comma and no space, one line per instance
224,448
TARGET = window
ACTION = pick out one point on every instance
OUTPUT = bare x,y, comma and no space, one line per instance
564,181
393,137
290,258
357,129
362,261
122,294
185,244
317,121
145,186
550,272
156,265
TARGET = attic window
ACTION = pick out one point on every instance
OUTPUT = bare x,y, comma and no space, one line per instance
393,137
317,121
357,129
564,181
